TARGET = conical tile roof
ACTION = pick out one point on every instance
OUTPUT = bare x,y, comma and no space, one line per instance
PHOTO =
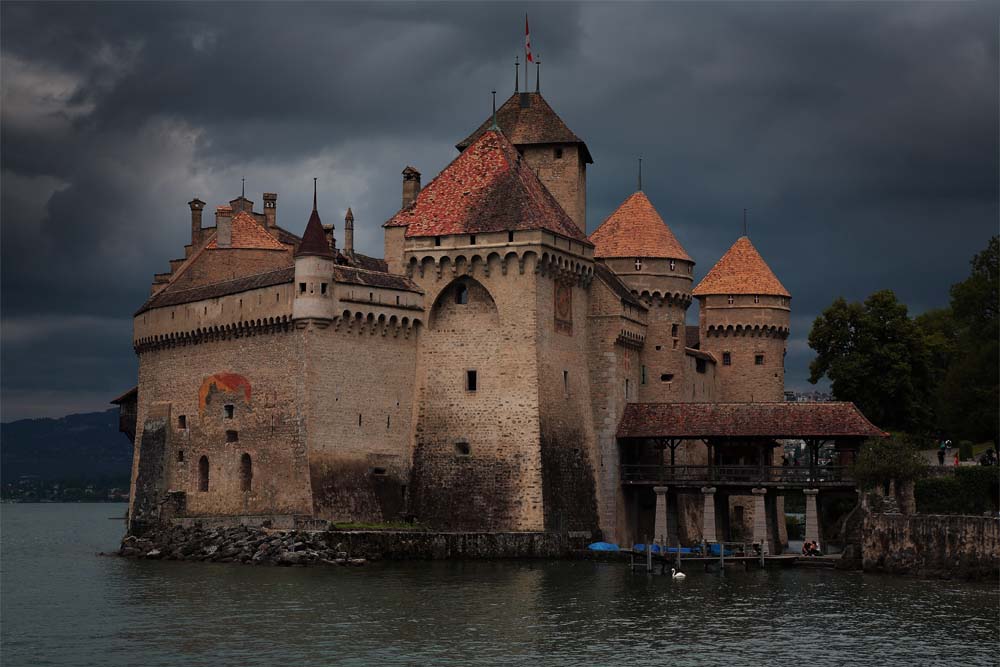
487,188
526,118
314,239
741,271
635,229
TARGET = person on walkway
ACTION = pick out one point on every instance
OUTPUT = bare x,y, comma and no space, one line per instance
988,459
941,454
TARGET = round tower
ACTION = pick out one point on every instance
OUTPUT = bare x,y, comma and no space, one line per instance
638,246
314,262
743,323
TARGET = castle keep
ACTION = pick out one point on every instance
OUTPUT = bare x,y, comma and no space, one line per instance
497,370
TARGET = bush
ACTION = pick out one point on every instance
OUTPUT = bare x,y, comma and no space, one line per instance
965,450
970,491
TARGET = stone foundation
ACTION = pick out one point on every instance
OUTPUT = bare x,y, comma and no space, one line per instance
943,546
256,545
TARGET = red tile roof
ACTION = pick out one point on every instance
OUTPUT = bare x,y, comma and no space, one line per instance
314,240
741,271
734,420
487,188
526,118
635,229
247,233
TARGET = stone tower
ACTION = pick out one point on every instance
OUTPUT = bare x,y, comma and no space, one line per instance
314,262
637,245
744,323
557,156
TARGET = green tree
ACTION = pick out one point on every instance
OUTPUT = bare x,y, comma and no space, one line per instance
968,396
884,459
876,357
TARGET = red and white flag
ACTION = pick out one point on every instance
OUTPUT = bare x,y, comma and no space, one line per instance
527,42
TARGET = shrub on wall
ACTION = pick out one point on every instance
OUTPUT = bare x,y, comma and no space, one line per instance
885,459
965,450
972,490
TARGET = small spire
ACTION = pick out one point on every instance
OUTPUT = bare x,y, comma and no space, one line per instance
350,215
243,188
517,75
314,193
538,75
494,126
746,228
639,189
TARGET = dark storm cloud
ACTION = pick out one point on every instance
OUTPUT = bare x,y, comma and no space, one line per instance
862,137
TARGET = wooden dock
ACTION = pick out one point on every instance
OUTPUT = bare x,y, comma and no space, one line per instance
650,560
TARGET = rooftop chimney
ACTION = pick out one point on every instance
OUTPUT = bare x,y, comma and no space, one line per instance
411,186
197,206
349,227
271,209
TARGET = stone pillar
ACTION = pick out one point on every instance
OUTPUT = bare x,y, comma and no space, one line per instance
812,516
760,519
660,532
708,517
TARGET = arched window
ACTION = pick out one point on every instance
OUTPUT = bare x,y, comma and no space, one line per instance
203,473
246,473
461,294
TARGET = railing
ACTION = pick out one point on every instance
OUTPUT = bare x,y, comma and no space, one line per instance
738,473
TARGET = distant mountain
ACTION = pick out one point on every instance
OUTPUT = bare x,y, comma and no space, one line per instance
84,447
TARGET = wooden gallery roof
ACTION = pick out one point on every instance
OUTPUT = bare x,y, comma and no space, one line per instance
746,420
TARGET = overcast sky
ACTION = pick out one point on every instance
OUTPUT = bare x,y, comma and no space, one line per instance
861,136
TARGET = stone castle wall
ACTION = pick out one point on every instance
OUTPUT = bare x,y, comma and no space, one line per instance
932,545
219,264
190,387
560,167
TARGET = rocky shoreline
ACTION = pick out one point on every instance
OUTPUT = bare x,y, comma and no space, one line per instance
242,544
260,545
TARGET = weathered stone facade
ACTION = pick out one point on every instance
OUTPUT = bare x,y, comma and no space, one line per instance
932,545
473,379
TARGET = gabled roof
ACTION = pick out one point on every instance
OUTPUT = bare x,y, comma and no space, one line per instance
219,289
734,420
247,233
741,271
487,188
526,118
314,239
635,229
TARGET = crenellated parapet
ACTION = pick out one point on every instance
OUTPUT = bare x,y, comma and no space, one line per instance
731,330
240,329
371,323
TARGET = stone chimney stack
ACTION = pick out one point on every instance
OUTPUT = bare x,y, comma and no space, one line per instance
197,206
411,186
271,209
224,226
349,227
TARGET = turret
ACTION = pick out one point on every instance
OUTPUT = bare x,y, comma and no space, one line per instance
638,246
314,263
349,232
743,323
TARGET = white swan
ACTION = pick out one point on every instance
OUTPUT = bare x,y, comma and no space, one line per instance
677,575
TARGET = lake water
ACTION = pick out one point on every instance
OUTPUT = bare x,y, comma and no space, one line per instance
63,605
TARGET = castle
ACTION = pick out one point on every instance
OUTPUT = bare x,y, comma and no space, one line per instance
488,374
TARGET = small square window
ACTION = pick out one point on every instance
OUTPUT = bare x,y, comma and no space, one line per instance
673,330
510,237
230,411
232,436
731,299
472,239
322,288
659,347
462,448
182,421
180,456
302,288
558,153
667,377
758,359
437,240
471,381
727,359
699,365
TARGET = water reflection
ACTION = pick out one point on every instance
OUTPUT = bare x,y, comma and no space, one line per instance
63,605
